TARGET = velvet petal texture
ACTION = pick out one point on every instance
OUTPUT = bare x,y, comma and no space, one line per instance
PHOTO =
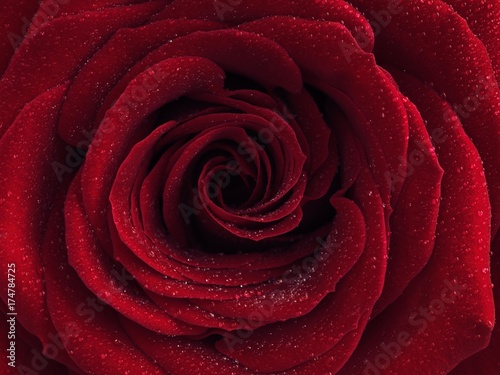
251,187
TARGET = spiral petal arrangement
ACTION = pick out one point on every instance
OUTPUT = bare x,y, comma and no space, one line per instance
252,187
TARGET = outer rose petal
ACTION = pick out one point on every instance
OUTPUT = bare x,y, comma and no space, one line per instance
82,6
11,24
461,252
32,71
27,354
78,321
443,34
460,258
95,270
29,148
330,10
98,77
233,51
487,361
180,356
413,222
483,19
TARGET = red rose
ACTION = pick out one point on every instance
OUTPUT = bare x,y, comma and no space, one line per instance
250,187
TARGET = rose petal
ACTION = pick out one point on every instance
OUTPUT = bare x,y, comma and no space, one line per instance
482,18
178,355
457,266
310,45
487,361
28,151
81,320
234,51
413,222
473,92
13,31
98,77
95,269
185,75
290,343
330,10
32,71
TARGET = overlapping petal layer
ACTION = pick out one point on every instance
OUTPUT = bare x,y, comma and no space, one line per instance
194,187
